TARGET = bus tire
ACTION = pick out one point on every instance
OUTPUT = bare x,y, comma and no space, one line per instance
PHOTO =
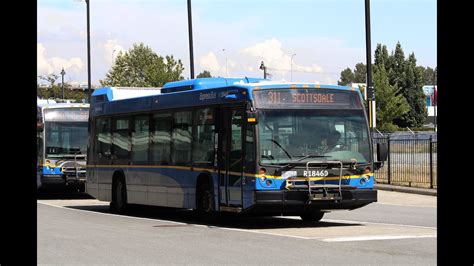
312,216
119,196
205,198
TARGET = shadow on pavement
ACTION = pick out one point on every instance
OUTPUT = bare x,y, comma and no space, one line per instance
188,217
61,193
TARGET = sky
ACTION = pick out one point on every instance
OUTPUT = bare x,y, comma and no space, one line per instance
299,40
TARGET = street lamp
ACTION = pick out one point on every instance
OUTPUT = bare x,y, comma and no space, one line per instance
190,29
264,68
62,80
370,87
88,51
225,55
291,63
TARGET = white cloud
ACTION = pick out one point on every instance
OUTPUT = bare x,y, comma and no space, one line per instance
277,61
209,62
112,50
46,66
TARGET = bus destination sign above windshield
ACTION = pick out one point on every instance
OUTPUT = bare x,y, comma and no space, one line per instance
306,98
66,114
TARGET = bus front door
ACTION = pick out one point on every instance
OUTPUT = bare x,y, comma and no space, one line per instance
230,157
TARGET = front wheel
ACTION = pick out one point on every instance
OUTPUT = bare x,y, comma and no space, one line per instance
313,216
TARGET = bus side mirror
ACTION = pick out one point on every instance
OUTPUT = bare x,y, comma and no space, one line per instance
382,152
39,126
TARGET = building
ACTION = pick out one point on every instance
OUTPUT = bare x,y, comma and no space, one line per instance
431,94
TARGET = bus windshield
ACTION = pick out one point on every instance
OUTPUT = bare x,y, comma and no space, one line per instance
64,139
288,136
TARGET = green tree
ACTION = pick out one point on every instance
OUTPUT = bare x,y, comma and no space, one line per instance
204,74
347,77
389,103
412,90
141,67
360,73
429,76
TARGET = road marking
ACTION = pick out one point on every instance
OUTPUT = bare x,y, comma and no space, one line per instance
338,239
405,205
369,238
361,222
110,214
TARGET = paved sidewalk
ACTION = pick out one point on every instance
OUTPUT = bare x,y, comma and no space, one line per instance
414,190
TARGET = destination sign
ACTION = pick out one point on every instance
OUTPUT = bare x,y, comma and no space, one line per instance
66,114
306,98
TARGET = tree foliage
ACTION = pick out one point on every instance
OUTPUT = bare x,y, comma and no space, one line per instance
347,77
390,104
204,74
141,67
405,79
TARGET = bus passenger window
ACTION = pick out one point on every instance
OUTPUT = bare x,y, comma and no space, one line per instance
181,137
140,139
104,138
203,150
120,138
161,139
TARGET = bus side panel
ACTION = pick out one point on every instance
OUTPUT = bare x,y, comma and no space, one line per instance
172,187
137,183
104,179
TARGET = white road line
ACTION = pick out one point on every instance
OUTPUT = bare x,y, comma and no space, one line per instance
360,222
369,238
158,220
405,205
361,238
110,214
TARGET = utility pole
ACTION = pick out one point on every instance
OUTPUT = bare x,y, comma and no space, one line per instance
264,68
190,27
62,80
88,53
370,87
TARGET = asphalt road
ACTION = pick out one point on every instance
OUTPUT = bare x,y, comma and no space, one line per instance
75,229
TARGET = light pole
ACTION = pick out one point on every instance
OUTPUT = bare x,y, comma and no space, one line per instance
113,56
264,68
225,55
370,88
88,51
62,80
291,66
190,28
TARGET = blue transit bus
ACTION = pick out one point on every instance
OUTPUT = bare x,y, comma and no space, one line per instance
242,145
61,144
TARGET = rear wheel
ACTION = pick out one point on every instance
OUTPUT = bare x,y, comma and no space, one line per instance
119,196
313,216
205,201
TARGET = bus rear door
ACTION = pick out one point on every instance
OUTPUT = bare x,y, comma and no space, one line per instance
230,156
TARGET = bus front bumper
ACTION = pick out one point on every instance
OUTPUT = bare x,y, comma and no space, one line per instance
288,202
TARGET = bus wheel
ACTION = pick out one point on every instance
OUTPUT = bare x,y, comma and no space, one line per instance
119,196
312,216
205,200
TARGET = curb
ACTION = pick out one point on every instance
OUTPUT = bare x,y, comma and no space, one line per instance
422,191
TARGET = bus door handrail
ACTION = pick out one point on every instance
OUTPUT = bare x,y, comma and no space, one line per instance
308,178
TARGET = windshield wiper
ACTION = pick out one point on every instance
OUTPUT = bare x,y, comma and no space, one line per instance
278,144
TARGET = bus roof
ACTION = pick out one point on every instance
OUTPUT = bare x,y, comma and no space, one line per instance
194,92
53,105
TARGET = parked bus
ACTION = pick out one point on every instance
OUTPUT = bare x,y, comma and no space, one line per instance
241,145
62,135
